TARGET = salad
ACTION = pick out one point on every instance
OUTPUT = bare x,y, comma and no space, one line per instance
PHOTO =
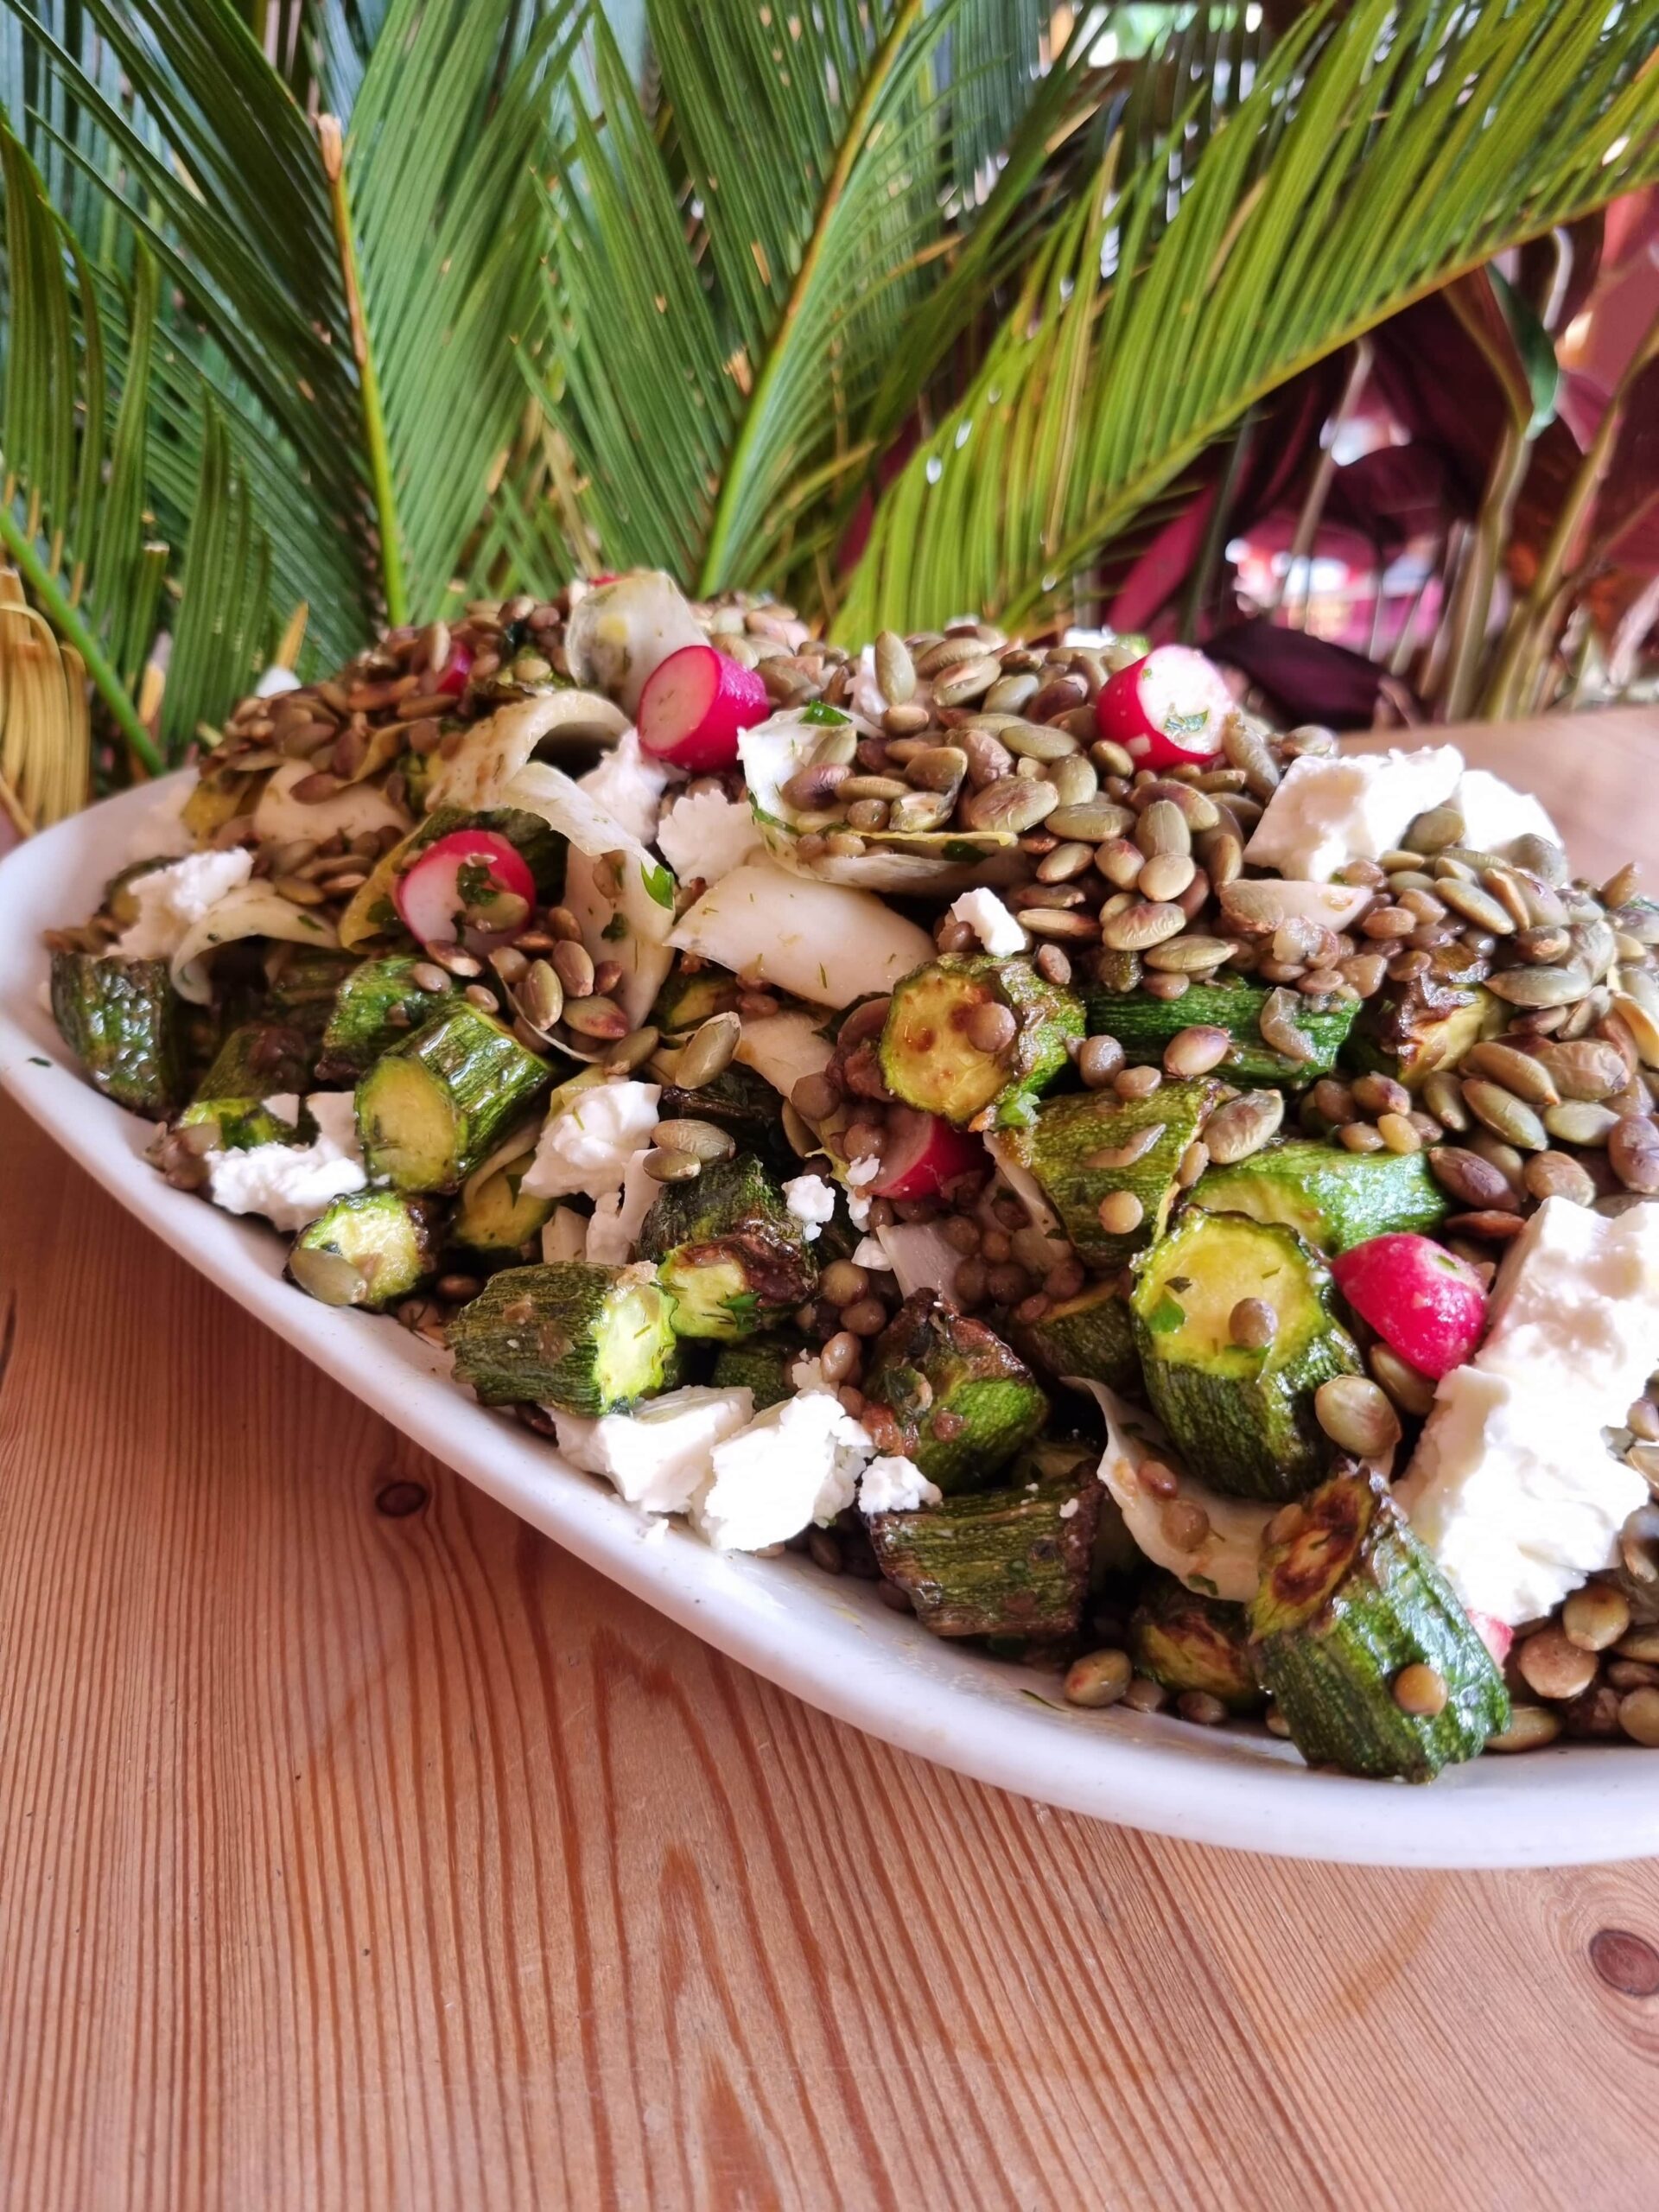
1168,1200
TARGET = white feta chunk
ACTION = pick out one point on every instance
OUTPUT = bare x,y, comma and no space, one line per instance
629,783
998,929
795,1463
619,1217
172,901
812,1203
291,1183
588,1145
1353,806
1495,814
658,1457
1512,1486
704,834
895,1486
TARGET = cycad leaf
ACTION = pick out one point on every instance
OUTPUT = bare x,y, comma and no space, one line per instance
450,120
1381,151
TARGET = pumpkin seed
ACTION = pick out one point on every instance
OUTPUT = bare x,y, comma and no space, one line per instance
1413,1392
1470,1179
1534,986
703,1140
1037,742
1075,779
1009,695
938,768
1581,1121
1517,1071
1558,1175
895,672
967,681
1141,925
708,1052
1642,1025
1531,1727
672,1166
1162,828
1478,906
1096,820
835,748
1433,831
1133,1148
1444,1100
816,788
632,1051
1505,1115
1539,857
1633,1153
1247,750
851,787
1189,956
540,995
597,1017
1277,1024
1012,802
1242,1126
919,812
1166,875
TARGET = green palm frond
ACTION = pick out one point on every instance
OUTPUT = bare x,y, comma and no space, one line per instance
730,304
1381,150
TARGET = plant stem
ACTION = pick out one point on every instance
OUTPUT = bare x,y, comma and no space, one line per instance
392,585
852,145
69,623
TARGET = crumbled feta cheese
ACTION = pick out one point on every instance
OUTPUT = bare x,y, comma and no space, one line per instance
860,1172
658,1457
620,1216
893,1485
812,1202
588,1145
1495,814
1354,806
807,1373
172,901
292,1184
872,1253
1068,1510
630,785
858,1208
1512,1486
275,682
795,1463
565,1236
991,922
707,835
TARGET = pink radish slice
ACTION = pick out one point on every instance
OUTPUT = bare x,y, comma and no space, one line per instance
452,677
1423,1301
456,884
1494,1635
1167,710
924,1154
693,706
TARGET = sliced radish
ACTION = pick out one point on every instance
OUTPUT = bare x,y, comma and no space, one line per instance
452,677
693,706
1167,710
472,885
1494,1635
924,1154
1423,1301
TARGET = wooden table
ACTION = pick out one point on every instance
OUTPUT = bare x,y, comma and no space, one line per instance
360,1849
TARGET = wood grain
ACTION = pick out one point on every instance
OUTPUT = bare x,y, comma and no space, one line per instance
358,1848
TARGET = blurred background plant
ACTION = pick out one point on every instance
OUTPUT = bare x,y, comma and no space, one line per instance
1325,336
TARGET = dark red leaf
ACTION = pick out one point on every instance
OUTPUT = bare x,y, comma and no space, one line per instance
1309,679
1392,495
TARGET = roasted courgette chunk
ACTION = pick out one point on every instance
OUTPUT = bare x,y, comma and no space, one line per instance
962,1402
691,997
1241,1414
586,1339
1091,1336
728,1251
760,1365
976,1040
1013,1561
496,1219
1144,1025
1092,1145
305,984
258,1061
1334,1197
370,1249
430,1111
1349,1601
379,1005
1411,1030
122,1019
740,1101
1189,1641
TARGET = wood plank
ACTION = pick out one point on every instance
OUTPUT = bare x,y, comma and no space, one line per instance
358,1847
